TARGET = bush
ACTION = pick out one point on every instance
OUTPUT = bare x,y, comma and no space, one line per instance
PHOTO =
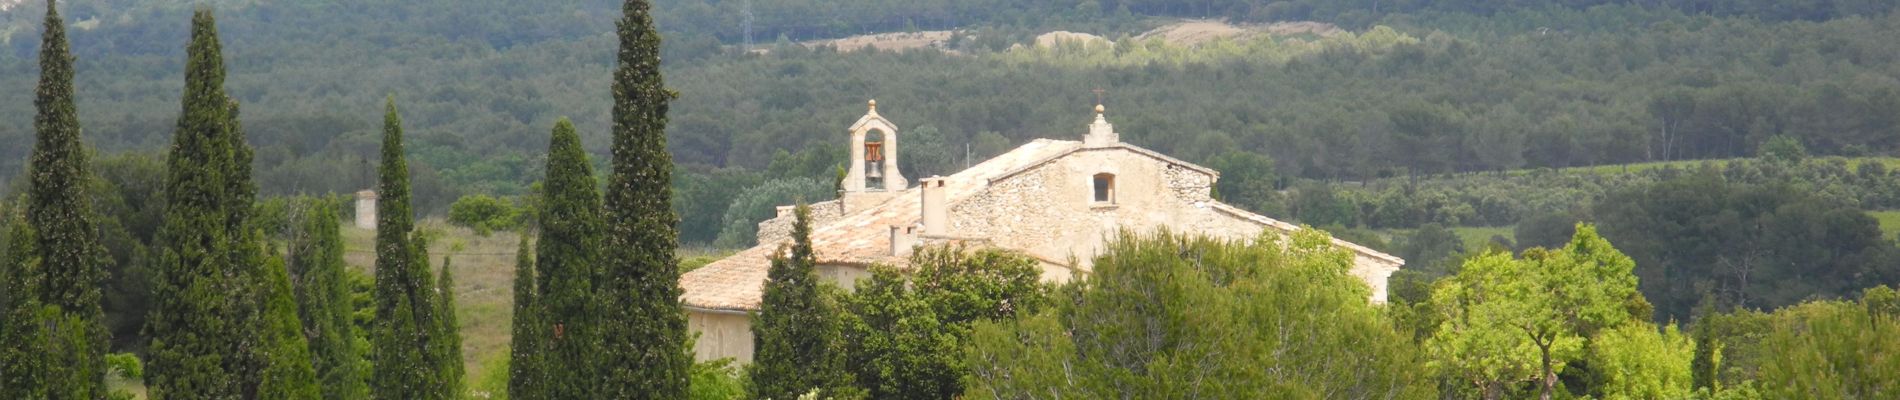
485,214
126,365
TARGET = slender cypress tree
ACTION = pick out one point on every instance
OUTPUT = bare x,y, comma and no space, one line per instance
54,340
203,320
323,299
21,366
448,330
794,334
527,374
403,340
566,264
287,372
644,351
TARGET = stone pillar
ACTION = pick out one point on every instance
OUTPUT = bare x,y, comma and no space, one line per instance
366,209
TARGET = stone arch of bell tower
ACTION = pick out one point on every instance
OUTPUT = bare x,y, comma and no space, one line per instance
873,159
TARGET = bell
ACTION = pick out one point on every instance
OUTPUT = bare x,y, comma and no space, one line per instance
876,171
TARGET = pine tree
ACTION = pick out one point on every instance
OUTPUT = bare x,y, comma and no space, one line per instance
323,299
566,265
403,340
203,320
448,329
794,334
644,351
287,372
527,374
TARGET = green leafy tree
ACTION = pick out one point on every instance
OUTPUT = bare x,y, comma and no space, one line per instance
207,286
287,371
1634,361
1169,316
1832,350
566,265
643,329
1506,320
324,299
484,214
403,338
795,333
895,344
527,374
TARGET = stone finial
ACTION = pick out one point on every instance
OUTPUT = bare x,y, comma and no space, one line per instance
873,104
1101,133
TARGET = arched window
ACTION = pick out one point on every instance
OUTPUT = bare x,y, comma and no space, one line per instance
1105,188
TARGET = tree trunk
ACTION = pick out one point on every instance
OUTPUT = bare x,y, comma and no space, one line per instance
1548,380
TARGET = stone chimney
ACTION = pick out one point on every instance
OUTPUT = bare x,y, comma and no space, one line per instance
902,239
936,216
366,209
1101,133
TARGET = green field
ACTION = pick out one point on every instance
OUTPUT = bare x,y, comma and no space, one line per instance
1889,222
1852,163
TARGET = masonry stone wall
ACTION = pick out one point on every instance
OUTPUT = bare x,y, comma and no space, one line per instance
779,228
721,335
1050,211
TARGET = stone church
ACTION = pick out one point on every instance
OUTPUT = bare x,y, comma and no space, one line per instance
1055,200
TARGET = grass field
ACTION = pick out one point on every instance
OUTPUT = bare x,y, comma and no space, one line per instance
1889,222
1852,163
484,282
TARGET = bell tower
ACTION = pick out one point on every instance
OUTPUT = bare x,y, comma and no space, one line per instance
873,156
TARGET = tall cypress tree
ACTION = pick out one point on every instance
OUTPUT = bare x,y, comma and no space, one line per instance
203,320
644,351
448,330
404,342
323,299
566,264
794,335
287,372
59,255
21,366
527,376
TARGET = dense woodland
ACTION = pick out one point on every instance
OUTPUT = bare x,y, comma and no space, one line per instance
1727,161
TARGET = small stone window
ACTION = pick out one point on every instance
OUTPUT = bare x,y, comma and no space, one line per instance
1105,188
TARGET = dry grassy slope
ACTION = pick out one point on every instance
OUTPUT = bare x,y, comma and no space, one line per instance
484,282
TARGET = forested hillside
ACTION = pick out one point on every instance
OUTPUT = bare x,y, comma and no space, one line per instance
1570,177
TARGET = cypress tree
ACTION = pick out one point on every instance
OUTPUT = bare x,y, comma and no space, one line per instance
20,364
57,207
403,339
203,320
287,372
448,329
794,333
644,352
52,342
527,379
323,299
565,262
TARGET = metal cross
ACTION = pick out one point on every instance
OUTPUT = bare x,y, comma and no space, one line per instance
1098,95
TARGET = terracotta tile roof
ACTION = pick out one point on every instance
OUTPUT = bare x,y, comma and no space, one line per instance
1287,228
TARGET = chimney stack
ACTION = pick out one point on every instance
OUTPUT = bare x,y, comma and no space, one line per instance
936,216
902,239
